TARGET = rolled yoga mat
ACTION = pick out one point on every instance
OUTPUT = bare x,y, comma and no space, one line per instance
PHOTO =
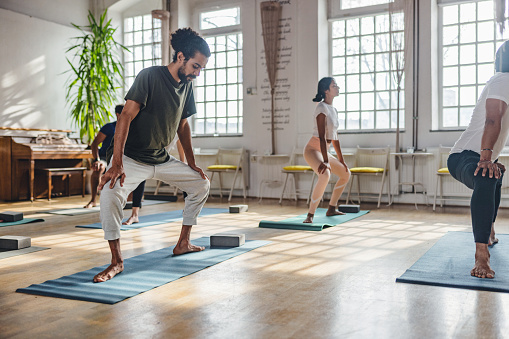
320,221
449,261
20,222
141,273
159,218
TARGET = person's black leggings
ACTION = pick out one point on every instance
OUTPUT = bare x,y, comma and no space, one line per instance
138,194
486,196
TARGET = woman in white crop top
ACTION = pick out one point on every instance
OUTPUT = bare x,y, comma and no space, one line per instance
317,153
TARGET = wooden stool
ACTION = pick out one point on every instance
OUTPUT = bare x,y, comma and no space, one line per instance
51,172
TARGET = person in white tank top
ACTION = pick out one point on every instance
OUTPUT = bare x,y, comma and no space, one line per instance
474,160
316,152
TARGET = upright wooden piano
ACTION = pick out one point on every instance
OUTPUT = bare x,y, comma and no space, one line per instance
21,156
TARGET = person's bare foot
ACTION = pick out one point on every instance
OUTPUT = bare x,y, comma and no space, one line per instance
482,268
186,247
493,239
332,211
309,219
132,220
109,272
90,205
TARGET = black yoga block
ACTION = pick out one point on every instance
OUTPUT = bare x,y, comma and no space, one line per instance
11,216
349,208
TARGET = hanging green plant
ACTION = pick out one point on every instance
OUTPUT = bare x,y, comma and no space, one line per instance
97,74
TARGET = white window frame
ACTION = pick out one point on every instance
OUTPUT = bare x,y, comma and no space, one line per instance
215,32
479,85
336,13
154,61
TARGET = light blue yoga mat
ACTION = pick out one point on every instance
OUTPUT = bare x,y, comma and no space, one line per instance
20,222
159,218
141,273
449,261
319,221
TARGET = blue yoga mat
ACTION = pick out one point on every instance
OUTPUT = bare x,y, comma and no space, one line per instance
319,221
449,261
141,273
19,222
159,218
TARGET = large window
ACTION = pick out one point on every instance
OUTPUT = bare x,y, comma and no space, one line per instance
219,89
363,54
142,36
469,40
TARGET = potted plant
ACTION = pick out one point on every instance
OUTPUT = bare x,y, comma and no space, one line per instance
96,76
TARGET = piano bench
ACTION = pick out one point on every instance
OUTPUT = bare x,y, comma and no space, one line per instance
51,172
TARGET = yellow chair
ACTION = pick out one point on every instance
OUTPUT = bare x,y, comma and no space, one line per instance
294,168
229,161
443,171
371,162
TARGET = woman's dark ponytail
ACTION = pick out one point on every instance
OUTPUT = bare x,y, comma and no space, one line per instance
319,97
323,85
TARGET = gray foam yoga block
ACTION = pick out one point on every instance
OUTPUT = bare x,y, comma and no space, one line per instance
14,242
11,216
238,208
349,208
227,240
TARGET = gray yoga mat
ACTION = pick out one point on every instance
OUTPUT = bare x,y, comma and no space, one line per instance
12,253
159,218
20,222
320,221
449,261
141,273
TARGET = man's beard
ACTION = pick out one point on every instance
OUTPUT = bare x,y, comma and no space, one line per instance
185,78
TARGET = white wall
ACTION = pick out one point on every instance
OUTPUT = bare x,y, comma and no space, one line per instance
32,64
57,11
33,59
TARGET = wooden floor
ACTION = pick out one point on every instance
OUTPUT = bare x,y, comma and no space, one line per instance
337,283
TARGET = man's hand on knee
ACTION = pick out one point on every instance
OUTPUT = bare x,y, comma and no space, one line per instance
113,174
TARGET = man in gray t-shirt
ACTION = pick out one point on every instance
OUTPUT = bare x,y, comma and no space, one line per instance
156,110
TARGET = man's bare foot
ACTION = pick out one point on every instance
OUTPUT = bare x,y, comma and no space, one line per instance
332,211
186,247
90,205
109,272
132,220
309,219
482,268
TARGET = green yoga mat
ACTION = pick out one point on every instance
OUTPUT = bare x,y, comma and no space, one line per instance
20,222
320,221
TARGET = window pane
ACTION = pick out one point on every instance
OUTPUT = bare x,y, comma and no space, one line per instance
353,120
221,76
382,120
362,68
210,93
450,35
220,18
223,86
450,97
451,76
468,75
